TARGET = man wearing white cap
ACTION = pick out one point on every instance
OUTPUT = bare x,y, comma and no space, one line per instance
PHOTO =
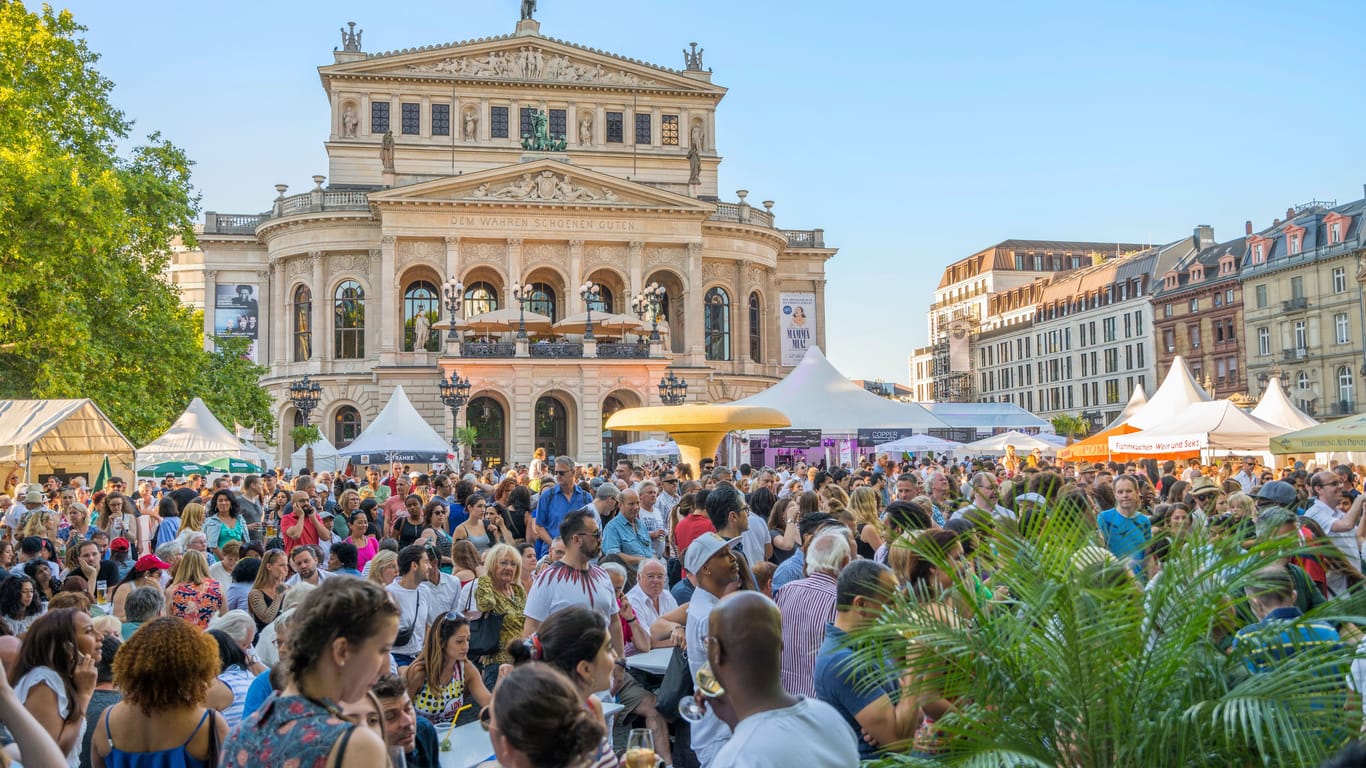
711,561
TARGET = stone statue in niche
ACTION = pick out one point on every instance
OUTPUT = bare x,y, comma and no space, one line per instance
422,328
586,131
386,151
350,122
471,124
694,165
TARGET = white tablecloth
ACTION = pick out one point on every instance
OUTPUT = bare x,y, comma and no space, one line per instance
470,743
655,662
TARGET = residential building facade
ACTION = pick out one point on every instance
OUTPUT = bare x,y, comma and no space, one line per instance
1198,314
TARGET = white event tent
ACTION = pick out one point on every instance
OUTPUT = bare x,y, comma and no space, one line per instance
817,396
649,448
917,444
1218,425
1136,402
1276,408
996,445
325,457
40,437
399,433
1179,391
196,435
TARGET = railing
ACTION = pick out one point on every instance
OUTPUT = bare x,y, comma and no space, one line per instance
232,223
1295,304
488,349
557,349
742,214
624,350
805,238
1344,408
246,224
1295,354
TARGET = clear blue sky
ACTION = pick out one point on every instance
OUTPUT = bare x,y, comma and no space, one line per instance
915,133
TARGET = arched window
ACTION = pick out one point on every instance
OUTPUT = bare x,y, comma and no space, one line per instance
303,324
1303,380
1346,389
716,324
552,426
486,415
348,309
604,303
421,298
480,298
346,427
756,328
542,300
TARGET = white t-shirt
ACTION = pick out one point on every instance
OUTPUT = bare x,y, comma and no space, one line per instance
46,676
445,594
809,733
755,537
654,521
709,735
415,610
560,586
645,610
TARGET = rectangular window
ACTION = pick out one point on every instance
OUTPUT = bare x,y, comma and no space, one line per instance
1263,341
1339,279
1083,365
528,122
1109,325
668,130
1111,360
1195,337
557,124
1218,300
379,116
441,119
615,129
1340,327
412,118
1169,340
1111,391
1128,326
1140,355
1166,310
1129,356
643,129
1297,287
1335,233
1195,306
1228,296
498,122
1261,296
1301,337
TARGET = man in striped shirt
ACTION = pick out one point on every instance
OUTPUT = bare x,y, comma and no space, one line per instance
807,605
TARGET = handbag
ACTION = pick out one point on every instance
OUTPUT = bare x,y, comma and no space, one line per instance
677,685
405,635
485,631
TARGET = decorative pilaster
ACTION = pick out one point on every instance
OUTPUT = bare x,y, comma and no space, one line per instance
452,256
266,312
388,246
820,313
281,311
635,268
576,274
691,303
741,307
514,262
321,344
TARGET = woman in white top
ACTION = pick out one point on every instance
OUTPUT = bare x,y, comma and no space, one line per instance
55,676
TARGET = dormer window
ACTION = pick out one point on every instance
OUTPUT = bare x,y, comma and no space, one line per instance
1258,255
1226,265
1197,273
1294,239
1171,280
1335,233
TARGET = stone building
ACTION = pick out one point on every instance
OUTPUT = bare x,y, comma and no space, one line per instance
520,167
1198,314
1302,312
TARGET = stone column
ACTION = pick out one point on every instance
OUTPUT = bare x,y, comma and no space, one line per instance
265,329
372,330
820,313
693,295
282,313
577,278
452,258
514,262
210,306
384,301
322,299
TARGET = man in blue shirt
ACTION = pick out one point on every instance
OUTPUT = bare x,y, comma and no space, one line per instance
1125,529
870,700
625,534
554,503
1280,635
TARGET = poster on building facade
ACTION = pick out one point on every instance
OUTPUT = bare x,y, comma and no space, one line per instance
960,352
237,314
796,325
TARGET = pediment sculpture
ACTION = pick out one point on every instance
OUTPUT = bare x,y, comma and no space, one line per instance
529,63
544,186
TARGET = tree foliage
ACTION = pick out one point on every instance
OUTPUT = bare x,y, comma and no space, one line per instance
86,236
1079,665
1068,425
230,388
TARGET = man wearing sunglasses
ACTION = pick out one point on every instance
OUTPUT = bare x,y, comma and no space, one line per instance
555,503
1341,528
575,580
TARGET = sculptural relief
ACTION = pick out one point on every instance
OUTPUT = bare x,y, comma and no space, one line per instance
546,185
386,151
350,122
663,256
429,251
530,63
471,125
586,131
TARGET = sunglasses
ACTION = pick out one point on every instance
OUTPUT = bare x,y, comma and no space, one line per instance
561,472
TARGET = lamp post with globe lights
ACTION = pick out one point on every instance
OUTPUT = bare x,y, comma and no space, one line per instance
650,300
454,291
305,394
455,393
521,293
673,390
590,292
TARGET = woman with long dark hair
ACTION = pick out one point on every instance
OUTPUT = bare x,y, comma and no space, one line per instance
442,677
536,720
19,604
225,522
55,675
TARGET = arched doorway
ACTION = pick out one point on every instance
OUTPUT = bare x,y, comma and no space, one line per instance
347,426
612,439
671,308
552,426
486,415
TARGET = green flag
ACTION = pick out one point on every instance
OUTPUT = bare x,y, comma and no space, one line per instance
102,479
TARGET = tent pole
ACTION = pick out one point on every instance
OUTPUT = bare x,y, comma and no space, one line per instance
28,461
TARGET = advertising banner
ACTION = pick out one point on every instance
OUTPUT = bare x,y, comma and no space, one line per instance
960,353
796,325
236,313
794,438
867,438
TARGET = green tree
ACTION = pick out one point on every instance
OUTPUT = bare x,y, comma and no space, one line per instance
86,236
229,385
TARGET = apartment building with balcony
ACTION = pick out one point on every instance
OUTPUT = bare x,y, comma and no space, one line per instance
1198,314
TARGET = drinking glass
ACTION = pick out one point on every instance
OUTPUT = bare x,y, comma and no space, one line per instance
640,749
101,591
689,708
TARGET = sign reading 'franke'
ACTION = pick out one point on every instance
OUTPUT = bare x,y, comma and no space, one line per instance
544,222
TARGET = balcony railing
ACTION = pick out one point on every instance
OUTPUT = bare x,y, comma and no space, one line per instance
1296,304
317,200
805,238
557,349
624,350
488,349
1343,408
1295,354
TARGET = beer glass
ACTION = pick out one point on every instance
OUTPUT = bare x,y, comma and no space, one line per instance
640,750
101,591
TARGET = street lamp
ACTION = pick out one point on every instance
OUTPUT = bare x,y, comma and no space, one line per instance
521,293
305,395
673,390
455,392
650,300
590,293
455,297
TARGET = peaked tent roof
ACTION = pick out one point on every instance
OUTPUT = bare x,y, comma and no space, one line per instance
996,444
1178,391
1276,408
398,433
326,458
1096,446
197,435
817,396
70,435
987,417
1215,425
1136,401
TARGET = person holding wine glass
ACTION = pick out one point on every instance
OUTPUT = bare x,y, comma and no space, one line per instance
711,561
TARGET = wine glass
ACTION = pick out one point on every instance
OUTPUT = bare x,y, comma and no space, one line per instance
640,749
689,708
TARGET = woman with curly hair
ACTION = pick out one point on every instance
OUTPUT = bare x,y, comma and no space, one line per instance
55,675
340,641
436,518
192,595
116,517
19,604
164,670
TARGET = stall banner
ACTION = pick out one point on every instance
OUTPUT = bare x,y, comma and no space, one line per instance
868,438
794,438
796,325
236,313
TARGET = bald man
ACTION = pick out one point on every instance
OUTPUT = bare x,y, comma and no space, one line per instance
771,729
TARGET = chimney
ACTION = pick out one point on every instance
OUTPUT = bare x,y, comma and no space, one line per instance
1204,237
1289,214
1247,227
1275,222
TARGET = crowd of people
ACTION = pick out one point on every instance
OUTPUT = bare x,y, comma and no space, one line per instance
348,621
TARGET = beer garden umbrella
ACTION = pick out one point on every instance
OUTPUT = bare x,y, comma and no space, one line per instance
174,468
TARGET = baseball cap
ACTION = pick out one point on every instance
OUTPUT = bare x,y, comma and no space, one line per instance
703,548
1278,492
607,491
120,544
151,563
